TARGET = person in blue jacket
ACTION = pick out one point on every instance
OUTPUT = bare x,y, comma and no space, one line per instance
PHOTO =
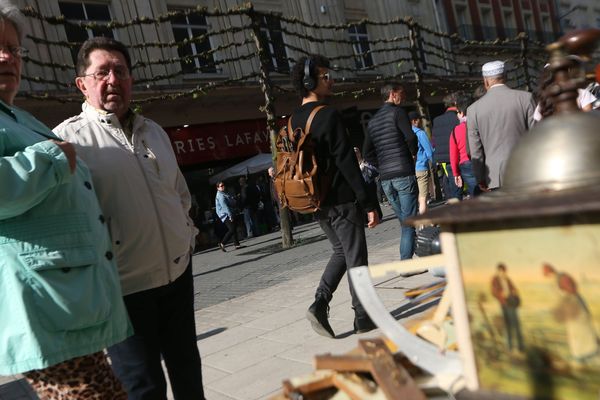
424,159
60,296
225,209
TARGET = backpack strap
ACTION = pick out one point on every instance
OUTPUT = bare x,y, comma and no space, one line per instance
303,138
308,125
311,117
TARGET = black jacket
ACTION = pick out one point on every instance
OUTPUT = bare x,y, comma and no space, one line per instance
442,127
390,142
335,156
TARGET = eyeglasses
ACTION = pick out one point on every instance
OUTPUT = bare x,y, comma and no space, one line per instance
15,51
103,74
326,76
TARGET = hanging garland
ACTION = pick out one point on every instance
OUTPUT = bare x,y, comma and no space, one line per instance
457,65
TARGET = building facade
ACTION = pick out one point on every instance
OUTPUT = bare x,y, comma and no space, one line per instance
197,68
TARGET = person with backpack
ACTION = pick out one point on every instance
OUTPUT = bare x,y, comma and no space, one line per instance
341,212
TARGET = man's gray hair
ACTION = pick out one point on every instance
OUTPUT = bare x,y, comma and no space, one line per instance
450,99
388,88
10,12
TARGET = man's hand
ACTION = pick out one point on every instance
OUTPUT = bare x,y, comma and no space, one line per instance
373,219
458,181
483,187
69,151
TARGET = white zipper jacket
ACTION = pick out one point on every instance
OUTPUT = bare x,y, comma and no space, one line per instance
142,193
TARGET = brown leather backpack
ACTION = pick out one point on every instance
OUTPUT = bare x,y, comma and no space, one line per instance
300,183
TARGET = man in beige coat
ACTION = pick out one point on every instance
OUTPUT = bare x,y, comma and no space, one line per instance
495,123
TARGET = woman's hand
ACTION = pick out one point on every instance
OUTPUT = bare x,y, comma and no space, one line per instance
69,151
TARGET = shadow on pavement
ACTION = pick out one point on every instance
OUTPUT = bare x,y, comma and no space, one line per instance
210,333
411,308
247,260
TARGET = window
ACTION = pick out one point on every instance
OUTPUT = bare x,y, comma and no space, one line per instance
465,30
188,27
528,19
84,12
270,29
489,31
547,29
509,24
360,44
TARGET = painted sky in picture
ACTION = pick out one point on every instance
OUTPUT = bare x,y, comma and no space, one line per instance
575,249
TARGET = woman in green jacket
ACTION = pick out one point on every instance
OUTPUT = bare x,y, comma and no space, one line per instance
60,298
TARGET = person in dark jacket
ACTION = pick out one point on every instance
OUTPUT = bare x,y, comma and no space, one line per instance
342,210
391,145
442,127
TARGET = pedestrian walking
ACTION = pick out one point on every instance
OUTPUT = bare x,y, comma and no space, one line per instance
462,168
391,145
424,159
495,123
440,134
342,210
146,203
225,209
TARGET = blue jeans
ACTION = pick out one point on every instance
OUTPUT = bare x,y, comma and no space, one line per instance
402,195
468,177
447,181
250,222
164,325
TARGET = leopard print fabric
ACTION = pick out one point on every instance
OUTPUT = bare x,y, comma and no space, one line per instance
81,378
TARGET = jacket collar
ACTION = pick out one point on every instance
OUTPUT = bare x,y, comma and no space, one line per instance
103,117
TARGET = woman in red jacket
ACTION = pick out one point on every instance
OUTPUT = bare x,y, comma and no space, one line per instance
459,151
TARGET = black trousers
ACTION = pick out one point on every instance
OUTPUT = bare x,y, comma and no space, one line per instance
231,232
163,324
344,226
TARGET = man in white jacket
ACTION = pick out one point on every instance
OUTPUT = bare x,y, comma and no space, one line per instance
145,202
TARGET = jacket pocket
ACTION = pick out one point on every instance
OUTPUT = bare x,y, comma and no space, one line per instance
66,288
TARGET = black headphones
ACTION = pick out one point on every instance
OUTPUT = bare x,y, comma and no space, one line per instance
308,81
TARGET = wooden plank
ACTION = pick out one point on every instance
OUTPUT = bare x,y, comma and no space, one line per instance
392,378
345,363
406,266
308,384
357,387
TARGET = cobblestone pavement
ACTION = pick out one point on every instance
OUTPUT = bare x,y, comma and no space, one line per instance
262,263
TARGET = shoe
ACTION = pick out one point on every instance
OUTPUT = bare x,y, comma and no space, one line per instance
237,246
363,324
222,246
317,314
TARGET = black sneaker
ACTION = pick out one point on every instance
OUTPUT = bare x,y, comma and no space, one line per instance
222,246
363,324
317,314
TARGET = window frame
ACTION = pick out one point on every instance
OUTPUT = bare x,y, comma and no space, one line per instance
361,62
89,32
268,33
199,68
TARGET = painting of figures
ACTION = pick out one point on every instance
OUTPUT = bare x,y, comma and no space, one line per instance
533,300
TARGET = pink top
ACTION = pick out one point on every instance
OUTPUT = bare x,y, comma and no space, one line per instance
458,147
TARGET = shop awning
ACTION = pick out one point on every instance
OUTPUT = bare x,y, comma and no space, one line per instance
258,163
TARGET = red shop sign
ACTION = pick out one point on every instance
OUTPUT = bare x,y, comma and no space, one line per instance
197,144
